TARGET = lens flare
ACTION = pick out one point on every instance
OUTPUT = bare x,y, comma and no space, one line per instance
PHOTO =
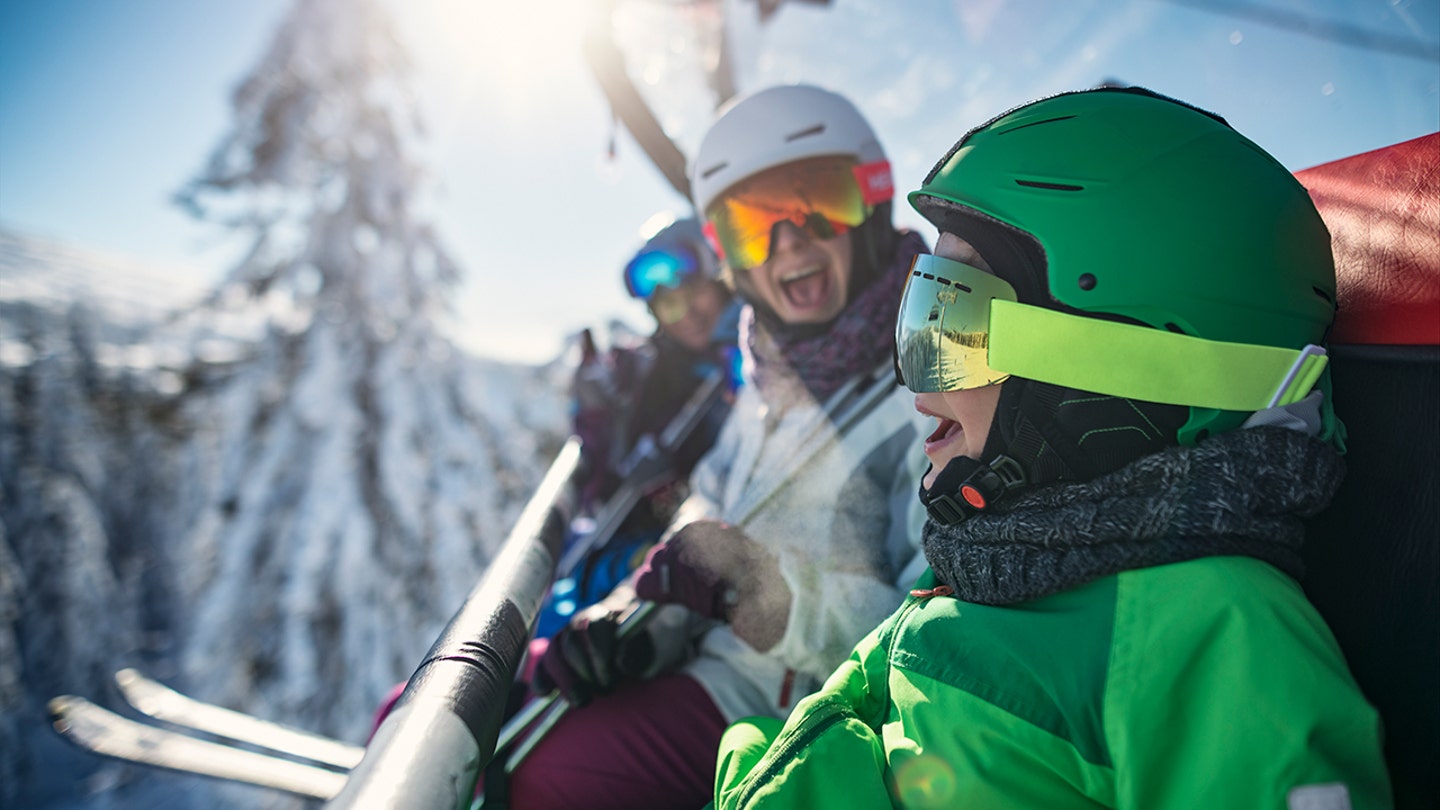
926,781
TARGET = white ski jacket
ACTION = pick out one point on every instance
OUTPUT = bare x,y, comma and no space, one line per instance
840,513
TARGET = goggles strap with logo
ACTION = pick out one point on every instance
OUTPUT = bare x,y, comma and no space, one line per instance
876,181
712,236
980,486
1152,365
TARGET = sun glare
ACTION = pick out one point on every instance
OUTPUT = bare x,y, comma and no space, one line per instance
518,52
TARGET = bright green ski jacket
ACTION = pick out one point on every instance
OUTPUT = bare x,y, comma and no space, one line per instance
1211,683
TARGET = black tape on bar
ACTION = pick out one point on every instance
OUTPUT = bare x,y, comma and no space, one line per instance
442,731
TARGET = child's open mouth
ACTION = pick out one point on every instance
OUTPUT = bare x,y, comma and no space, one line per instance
947,431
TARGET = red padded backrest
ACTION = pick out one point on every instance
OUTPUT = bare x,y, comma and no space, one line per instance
1373,556
1383,211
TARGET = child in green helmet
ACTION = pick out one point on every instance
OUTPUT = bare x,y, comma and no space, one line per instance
1118,335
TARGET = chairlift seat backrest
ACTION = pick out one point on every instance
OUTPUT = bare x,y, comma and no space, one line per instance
1373,557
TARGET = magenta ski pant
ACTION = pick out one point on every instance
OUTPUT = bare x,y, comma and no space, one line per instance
650,744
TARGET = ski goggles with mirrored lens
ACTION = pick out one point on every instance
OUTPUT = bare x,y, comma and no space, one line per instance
958,325
942,333
824,197
653,269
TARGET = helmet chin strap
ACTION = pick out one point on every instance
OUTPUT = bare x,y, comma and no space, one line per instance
966,487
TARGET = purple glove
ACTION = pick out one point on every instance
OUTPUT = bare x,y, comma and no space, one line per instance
586,658
717,571
697,567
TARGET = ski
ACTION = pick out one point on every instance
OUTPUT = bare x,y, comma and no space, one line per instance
103,732
846,409
648,466
161,702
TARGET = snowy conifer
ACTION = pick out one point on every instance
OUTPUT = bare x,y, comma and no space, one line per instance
276,498
361,482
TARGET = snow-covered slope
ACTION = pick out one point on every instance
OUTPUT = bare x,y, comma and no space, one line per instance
127,291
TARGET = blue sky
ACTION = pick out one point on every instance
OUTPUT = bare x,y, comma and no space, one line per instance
107,107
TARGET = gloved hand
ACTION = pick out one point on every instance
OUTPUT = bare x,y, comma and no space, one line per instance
697,567
586,658
593,420
592,396
720,573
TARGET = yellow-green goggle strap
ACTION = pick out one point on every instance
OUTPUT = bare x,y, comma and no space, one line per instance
1152,365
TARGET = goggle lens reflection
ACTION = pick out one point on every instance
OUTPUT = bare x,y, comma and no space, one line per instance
942,332
653,269
820,196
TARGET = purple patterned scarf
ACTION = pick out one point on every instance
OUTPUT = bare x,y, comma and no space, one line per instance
860,338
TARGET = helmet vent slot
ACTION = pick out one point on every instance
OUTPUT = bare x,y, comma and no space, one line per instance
718,167
805,133
1049,186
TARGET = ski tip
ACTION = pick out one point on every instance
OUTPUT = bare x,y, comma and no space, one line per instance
148,695
59,708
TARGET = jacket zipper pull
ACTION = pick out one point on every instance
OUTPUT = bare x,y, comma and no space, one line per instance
938,590
787,687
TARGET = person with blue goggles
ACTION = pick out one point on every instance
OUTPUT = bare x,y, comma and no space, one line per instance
676,274
636,388
625,398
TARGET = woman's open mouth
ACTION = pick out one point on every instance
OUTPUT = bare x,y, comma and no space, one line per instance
807,288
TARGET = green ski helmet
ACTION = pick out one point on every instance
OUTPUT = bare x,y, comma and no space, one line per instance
1120,205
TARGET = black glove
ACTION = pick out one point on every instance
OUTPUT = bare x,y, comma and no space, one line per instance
586,658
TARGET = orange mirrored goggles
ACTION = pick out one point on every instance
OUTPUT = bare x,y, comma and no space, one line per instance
824,197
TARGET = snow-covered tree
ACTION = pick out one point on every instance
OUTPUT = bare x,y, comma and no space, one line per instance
92,433
274,498
361,482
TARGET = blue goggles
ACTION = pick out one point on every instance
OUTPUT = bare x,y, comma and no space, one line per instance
653,269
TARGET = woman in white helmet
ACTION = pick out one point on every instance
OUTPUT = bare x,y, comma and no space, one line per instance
801,531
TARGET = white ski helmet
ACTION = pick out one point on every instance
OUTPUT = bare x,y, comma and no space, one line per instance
780,125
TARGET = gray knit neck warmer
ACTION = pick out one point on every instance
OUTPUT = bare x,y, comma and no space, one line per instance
1240,493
